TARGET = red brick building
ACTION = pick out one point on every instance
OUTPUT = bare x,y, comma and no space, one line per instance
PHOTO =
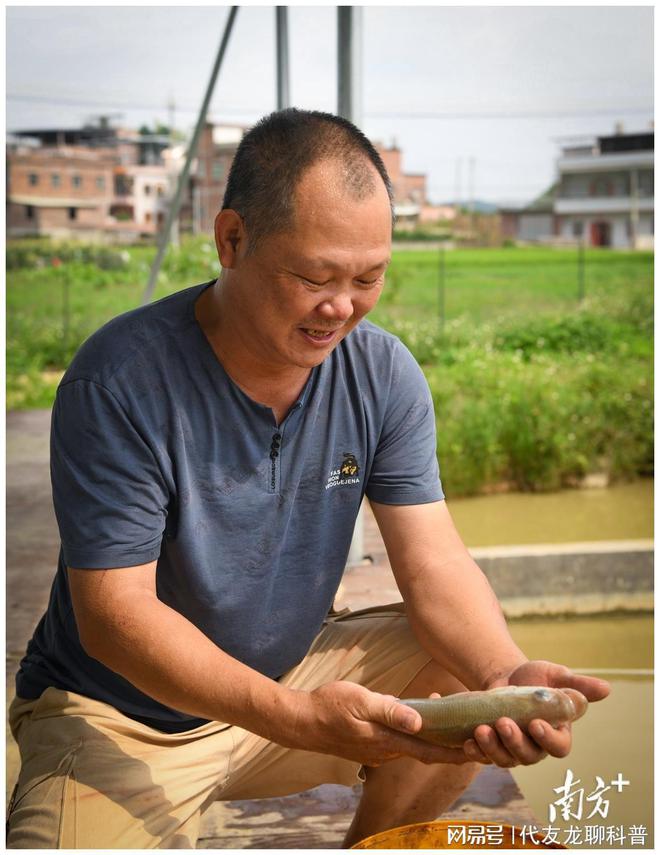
57,191
101,181
216,150
91,183
409,187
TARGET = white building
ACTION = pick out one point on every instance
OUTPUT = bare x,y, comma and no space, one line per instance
605,191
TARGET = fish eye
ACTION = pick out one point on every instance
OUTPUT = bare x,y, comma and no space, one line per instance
542,694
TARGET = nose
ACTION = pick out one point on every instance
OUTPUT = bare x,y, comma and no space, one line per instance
339,307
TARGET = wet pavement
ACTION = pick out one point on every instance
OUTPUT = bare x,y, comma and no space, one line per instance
315,819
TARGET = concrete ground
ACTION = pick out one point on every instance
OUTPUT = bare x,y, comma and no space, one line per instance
315,819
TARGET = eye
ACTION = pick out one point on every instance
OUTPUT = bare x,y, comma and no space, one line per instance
370,283
310,282
543,694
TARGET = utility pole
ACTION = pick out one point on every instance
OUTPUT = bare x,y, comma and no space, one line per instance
457,194
282,39
471,192
173,210
349,106
171,108
349,63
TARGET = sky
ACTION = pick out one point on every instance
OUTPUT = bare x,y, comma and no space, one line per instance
478,98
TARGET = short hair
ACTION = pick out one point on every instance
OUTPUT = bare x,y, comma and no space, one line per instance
273,155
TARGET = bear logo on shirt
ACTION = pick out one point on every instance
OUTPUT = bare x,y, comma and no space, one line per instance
349,468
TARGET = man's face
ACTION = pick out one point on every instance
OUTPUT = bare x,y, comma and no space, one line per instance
301,292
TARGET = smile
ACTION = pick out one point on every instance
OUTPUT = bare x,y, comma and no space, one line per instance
318,336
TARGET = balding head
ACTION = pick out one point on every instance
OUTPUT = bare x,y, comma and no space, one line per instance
274,155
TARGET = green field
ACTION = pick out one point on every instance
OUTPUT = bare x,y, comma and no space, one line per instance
484,284
532,387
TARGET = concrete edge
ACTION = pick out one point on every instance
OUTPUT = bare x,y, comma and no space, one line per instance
592,547
582,604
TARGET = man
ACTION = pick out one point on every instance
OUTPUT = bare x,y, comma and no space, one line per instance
198,450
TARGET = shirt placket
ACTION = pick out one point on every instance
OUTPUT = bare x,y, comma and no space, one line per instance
275,461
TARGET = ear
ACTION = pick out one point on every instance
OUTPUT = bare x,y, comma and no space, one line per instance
230,237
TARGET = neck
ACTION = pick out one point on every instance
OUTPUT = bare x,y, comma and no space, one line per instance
275,386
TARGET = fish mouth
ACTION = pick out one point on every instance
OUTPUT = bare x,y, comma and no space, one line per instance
580,703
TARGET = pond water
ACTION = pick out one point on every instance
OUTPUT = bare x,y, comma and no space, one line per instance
623,511
615,736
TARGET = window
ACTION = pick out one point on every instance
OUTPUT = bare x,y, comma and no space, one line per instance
147,189
147,217
578,228
73,213
55,179
76,181
123,185
160,217
33,179
601,187
645,182
29,212
160,190
218,171
100,182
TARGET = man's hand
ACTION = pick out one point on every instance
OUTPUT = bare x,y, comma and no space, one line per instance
506,744
349,721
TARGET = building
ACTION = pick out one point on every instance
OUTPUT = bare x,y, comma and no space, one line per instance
98,182
215,152
532,223
92,182
605,190
409,188
603,196
58,191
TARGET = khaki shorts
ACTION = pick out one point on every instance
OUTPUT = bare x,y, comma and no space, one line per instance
93,778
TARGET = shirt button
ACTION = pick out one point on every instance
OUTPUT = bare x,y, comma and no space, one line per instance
273,454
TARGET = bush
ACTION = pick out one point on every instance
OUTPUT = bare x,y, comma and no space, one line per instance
567,334
541,424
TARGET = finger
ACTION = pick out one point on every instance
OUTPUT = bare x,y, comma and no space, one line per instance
561,677
592,688
427,753
411,746
388,710
435,695
493,749
556,741
475,753
522,749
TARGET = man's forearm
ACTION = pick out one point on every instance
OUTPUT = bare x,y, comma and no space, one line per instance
458,620
164,655
450,605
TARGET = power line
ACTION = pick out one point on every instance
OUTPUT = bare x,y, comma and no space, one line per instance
126,105
515,114
390,114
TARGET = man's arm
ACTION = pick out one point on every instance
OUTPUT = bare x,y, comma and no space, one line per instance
455,615
451,607
123,624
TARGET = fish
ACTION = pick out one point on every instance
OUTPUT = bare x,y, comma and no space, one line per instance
450,720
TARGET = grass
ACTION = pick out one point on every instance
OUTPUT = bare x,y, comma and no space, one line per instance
486,283
531,387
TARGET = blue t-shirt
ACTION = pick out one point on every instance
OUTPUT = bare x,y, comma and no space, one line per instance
156,454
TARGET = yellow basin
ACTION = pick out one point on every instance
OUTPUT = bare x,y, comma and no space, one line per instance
454,834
